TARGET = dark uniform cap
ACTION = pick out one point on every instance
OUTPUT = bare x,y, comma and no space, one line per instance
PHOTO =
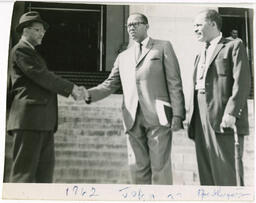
27,18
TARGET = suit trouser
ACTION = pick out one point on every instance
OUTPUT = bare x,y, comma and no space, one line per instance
149,150
215,151
33,157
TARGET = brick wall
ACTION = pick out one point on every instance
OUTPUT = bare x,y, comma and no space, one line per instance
91,146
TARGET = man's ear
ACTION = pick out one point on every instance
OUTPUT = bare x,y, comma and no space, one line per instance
147,26
214,24
24,31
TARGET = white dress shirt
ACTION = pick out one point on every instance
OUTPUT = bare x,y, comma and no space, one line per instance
200,83
137,45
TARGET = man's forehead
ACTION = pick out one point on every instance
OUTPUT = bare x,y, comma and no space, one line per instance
134,18
200,17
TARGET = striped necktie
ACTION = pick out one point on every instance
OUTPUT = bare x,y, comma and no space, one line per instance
202,67
139,51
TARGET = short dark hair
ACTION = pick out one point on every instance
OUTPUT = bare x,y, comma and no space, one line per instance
142,16
213,15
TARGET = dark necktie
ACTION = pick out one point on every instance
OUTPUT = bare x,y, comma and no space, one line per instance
202,67
139,51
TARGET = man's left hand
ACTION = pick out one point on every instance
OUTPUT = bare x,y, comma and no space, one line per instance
228,121
176,123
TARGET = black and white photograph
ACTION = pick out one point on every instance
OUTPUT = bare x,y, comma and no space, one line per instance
128,101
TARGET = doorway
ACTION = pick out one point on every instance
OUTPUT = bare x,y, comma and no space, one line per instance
240,19
73,42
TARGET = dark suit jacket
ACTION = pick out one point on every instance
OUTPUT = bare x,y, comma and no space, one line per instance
155,76
227,86
33,89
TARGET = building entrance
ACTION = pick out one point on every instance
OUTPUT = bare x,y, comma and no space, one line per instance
240,19
73,42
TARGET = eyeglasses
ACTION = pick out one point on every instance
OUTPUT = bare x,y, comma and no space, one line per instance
38,29
135,25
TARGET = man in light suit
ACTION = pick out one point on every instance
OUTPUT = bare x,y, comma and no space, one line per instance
153,101
32,98
221,86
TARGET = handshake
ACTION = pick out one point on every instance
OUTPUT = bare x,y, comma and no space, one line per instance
81,93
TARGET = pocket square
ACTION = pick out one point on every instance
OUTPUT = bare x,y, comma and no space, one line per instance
153,59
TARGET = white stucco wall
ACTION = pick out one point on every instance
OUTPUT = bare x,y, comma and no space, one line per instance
174,22
114,33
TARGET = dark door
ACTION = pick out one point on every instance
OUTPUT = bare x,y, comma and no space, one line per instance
241,20
72,43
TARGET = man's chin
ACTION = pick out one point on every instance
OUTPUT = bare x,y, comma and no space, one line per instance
200,39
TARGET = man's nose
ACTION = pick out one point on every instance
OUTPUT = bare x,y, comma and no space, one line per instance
132,28
42,34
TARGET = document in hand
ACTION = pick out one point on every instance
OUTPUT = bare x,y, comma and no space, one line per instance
164,112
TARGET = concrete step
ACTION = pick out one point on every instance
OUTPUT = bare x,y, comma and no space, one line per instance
100,163
88,146
87,154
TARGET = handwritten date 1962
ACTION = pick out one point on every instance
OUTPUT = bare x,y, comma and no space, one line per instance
81,191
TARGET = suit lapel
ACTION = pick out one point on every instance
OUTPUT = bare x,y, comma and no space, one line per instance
36,54
219,46
145,51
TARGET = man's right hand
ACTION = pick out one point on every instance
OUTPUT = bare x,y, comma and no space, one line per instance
87,97
78,93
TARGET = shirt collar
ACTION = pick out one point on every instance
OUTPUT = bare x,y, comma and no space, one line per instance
216,39
27,42
145,41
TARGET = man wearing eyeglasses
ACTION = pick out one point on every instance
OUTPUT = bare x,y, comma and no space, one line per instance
153,101
32,96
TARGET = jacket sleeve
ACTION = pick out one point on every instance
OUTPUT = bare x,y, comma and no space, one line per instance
109,86
242,83
37,71
174,82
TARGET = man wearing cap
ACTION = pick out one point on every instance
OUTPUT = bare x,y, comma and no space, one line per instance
33,112
221,86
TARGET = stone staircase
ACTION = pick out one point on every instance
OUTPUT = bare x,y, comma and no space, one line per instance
90,146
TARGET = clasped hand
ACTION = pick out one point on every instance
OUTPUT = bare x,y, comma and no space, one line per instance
80,93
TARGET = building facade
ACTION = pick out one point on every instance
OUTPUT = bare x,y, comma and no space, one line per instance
81,45
88,37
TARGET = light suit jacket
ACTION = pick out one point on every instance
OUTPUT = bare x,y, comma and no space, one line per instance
156,76
227,86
